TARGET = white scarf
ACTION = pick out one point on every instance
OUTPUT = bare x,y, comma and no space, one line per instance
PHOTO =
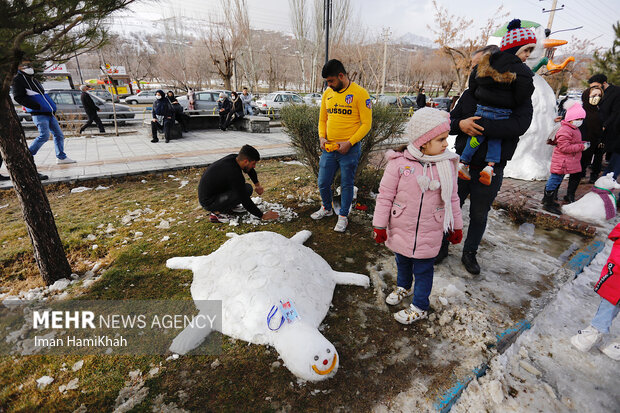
446,169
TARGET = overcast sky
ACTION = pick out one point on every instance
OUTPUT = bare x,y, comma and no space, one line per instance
413,16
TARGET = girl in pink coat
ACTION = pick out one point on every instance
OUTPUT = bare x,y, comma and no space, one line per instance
608,287
417,203
566,158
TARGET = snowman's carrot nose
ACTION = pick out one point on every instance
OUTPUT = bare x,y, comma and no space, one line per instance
549,43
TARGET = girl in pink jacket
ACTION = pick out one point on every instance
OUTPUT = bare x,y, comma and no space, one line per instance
566,158
417,203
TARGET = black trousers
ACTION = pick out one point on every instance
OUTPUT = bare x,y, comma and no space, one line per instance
481,199
233,116
93,118
227,200
223,118
155,126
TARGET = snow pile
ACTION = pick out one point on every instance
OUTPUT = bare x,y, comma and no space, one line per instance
542,371
285,214
80,189
273,269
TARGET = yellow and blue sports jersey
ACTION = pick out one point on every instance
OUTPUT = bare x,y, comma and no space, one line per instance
345,115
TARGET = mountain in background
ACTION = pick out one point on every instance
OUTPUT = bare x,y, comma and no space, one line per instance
413,39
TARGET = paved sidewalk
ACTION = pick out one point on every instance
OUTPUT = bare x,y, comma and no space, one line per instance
525,197
130,154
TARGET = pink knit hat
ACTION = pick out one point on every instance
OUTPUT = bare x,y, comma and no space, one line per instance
426,124
574,112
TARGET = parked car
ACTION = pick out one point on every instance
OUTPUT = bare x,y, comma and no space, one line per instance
441,103
146,96
105,95
313,99
274,101
69,106
403,103
205,99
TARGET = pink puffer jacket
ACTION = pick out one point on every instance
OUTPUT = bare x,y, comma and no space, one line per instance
414,220
566,158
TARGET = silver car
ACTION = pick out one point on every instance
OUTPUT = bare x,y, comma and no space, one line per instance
273,102
69,105
146,96
313,99
205,100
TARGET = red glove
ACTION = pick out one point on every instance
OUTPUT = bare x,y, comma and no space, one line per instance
455,236
380,235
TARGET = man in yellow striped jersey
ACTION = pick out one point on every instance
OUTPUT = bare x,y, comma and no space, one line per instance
346,117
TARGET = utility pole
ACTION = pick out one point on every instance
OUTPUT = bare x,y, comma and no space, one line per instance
79,69
327,21
552,13
386,36
110,81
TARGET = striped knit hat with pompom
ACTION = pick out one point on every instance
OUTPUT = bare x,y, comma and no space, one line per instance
516,37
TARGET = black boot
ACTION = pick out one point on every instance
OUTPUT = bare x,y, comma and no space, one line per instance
549,204
573,183
469,261
443,251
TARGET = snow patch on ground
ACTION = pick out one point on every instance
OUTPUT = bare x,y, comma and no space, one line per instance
518,265
542,371
285,214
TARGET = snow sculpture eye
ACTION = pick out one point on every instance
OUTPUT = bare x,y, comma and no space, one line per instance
316,358
328,351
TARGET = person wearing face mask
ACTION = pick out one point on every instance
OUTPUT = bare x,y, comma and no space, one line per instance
163,116
609,108
236,110
566,158
591,131
224,105
27,91
179,116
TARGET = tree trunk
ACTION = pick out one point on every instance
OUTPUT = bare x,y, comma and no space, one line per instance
48,250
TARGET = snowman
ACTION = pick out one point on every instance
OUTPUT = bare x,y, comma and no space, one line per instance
274,291
532,158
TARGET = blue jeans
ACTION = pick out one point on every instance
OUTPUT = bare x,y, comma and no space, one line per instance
494,146
604,316
328,165
614,165
554,182
423,271
46,124
247,109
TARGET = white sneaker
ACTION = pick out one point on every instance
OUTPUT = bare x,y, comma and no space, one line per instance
586,338
239,209
410,315
612,351
342,223
64,161
398,294
322,213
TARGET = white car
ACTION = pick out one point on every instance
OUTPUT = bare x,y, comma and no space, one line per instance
274,101
313,99
146,96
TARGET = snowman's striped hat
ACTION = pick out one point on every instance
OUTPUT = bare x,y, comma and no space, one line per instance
516,37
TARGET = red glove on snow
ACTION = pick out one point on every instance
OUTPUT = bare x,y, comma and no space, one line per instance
455,236
380,235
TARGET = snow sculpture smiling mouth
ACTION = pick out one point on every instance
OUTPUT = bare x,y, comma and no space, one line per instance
252,272
329,369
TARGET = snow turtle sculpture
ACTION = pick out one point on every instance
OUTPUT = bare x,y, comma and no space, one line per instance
251,274
598,205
